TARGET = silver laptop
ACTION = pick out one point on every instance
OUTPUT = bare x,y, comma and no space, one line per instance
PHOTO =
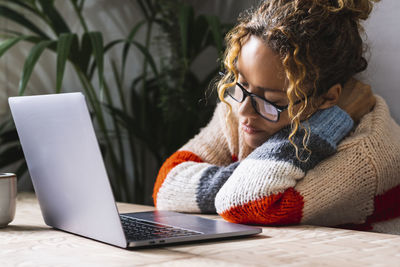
72,186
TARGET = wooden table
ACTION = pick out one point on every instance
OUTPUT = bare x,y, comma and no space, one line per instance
27,241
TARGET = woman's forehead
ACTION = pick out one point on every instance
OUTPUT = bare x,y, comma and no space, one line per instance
259,65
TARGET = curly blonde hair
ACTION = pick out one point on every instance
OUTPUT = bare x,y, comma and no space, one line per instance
318,41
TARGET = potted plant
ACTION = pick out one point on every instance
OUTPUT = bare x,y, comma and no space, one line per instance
145,122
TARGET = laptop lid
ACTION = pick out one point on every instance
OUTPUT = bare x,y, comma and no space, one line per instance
73,189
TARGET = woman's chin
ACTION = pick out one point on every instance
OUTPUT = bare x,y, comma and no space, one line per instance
254,142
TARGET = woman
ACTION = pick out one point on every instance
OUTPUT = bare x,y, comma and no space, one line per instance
279,149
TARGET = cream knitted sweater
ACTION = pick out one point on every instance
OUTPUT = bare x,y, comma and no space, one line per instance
358,186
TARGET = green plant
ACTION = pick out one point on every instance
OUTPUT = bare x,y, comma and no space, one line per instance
148,121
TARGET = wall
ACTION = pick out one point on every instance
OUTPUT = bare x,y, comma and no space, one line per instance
383,72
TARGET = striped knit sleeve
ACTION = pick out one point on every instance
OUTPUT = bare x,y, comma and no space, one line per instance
189,179
261,190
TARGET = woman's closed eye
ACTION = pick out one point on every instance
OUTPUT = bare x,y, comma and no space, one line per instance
275,101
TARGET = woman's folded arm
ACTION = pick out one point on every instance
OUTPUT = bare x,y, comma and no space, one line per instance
189,184
261,190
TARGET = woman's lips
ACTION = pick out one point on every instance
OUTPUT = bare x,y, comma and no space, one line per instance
249,130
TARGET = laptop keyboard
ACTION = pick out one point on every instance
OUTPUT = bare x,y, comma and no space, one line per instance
136,229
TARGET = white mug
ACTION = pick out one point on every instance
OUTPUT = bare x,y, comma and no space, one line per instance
8,198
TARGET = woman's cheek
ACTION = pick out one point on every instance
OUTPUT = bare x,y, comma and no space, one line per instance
255,141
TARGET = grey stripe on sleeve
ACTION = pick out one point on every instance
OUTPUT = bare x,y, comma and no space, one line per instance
278,147
212,179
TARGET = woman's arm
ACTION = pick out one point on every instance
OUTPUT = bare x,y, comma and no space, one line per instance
356,99
261,190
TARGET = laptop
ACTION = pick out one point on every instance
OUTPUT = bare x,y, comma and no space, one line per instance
72,187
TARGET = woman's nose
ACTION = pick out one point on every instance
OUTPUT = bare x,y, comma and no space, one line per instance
246,108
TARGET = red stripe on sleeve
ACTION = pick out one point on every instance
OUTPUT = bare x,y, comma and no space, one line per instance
279,209
386,207
174,160
234,158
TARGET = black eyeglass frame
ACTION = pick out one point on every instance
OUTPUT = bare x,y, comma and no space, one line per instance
253,102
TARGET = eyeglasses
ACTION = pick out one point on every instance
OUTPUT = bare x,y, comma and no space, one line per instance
263,107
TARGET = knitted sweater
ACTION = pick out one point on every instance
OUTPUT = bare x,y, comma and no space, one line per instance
352,185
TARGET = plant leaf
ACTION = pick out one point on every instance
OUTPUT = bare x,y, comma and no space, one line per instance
144,9
21,170
98,50
185,14
112,44
57,22
9,33
149,57
202,30
11,155
26,6
30,63
125,51
7,44
134,98
9,136
6,124
85,53
20,19
63,50
118,81
215,26
128,122
106,49
79,4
